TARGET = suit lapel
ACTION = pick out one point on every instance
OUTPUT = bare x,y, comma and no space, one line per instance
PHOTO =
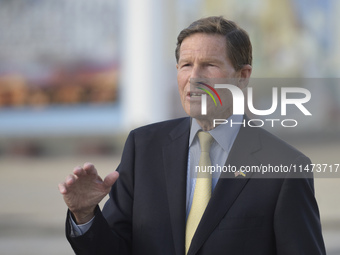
175,156
228,187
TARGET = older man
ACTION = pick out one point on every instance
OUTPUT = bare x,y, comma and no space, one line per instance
160,205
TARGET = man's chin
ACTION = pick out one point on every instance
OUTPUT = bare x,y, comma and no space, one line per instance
200,117
194,113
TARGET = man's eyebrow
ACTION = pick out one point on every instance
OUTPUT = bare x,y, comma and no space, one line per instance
212,60
205,60
184,59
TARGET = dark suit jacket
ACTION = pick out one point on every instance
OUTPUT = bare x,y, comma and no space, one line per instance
147,207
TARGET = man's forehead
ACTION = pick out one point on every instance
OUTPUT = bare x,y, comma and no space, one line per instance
203,44
204,39
210,53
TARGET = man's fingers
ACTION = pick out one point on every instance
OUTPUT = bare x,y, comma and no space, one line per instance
79,171
90,169
70,179
62,188
110,179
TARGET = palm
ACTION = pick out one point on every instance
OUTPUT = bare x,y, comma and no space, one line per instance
84,189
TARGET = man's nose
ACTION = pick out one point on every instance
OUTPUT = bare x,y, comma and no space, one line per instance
196,72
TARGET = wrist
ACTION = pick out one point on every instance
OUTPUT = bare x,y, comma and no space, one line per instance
82,217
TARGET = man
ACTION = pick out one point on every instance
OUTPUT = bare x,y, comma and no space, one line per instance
155,205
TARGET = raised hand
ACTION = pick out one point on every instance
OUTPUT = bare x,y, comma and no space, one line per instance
84,189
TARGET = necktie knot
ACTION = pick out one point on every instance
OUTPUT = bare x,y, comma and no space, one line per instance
205,141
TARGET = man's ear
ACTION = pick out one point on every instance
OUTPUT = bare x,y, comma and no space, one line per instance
244,75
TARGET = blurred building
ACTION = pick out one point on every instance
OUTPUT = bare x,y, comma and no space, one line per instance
38,34
98,67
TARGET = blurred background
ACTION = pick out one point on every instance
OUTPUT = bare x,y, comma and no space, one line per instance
76,76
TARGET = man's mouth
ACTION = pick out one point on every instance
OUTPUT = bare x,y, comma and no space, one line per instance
194,94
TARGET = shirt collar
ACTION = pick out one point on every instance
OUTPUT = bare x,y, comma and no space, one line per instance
223,134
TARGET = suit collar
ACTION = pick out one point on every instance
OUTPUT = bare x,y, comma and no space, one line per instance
182,129
175,158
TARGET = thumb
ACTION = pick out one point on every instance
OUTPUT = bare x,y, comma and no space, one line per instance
110,179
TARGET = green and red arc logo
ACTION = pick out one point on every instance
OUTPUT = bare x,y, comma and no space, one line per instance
209,93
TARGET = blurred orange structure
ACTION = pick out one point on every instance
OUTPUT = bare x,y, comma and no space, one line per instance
80,86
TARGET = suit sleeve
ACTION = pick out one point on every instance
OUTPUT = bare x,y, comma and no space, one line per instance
297,222
111,231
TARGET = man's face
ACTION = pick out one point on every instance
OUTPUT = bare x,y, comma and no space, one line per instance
203,57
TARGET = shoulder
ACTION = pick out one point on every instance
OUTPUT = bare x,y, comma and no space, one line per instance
164,126
269,148
272,144
161,131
